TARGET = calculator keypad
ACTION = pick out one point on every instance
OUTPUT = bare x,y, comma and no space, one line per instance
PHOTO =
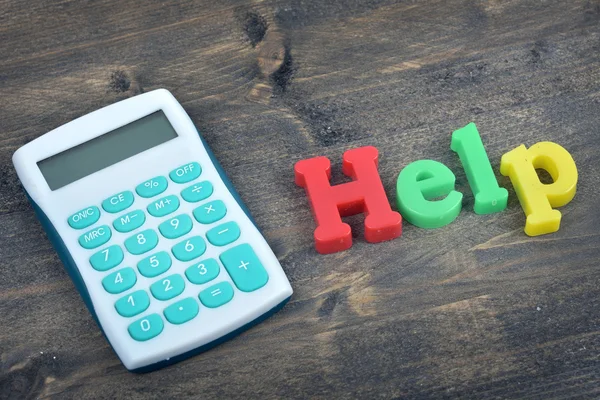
132,298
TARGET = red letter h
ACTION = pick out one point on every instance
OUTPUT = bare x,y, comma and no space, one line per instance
364,194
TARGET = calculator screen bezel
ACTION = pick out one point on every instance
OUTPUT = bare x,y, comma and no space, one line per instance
98,153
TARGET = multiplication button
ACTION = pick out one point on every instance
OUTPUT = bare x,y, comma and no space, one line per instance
210,212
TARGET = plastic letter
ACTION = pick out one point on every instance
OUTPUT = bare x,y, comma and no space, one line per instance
489,197
364,194
538,199
423,180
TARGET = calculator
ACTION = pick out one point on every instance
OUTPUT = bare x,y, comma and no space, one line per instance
162,250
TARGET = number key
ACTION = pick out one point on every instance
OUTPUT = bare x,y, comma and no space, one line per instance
141,242
203,272
133,303
189,249
107,258
167,288
119,281
155,264
146,328
176,226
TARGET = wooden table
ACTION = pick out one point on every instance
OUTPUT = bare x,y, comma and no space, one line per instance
476,309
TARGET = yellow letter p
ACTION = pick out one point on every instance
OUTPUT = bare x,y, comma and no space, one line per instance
537,199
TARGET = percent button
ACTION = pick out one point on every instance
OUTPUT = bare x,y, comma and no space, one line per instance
152,187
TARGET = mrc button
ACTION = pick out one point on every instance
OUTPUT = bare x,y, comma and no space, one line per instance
84,218
185,173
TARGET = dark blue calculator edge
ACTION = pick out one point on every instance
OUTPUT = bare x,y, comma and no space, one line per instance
65,257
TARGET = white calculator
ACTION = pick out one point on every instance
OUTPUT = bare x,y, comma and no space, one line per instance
155,238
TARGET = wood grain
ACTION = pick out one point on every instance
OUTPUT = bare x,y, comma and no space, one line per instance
473,310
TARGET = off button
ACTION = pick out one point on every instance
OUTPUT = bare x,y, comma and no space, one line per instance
186,173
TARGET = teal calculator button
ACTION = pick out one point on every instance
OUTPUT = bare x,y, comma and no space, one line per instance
216,295
186,173
189,249
146,328
141,242
182,311
84,218
167,288
164,206
95,238
210,212
118,202
130,221
132,304
204,271
119,281
223,234
197,192
106,259
155,265
244,267
176,226
152,187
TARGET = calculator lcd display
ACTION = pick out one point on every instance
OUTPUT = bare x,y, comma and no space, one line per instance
106,150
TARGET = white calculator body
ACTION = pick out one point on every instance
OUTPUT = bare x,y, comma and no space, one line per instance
150,230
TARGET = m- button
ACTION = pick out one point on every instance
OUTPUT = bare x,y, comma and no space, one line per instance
185,173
